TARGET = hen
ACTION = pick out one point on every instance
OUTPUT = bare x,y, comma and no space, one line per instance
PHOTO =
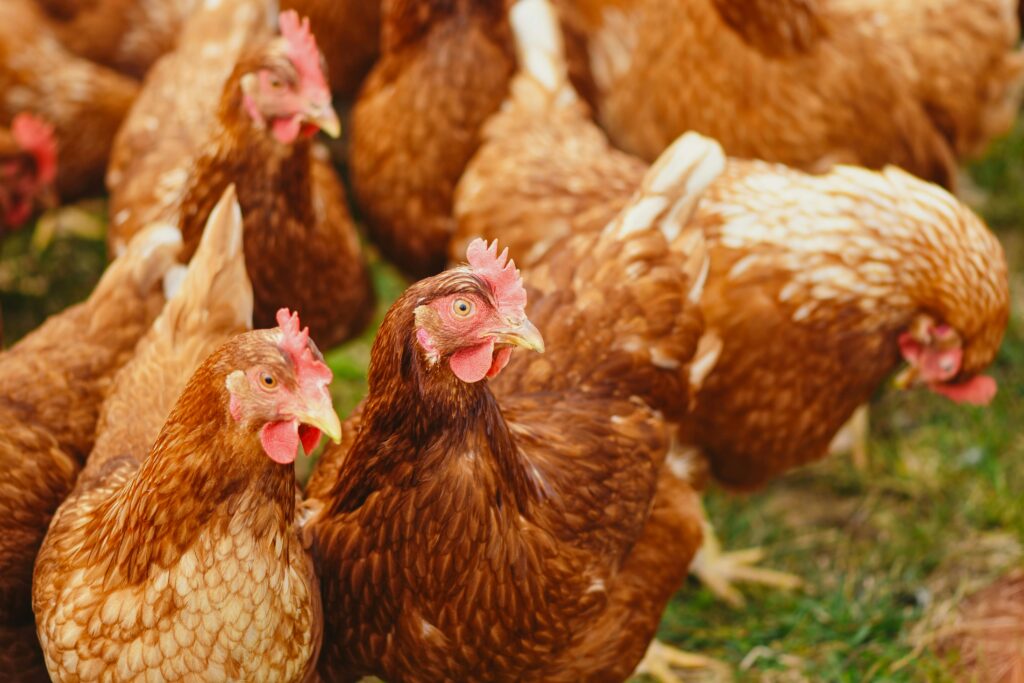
443,71
817,284
222,588
484,522
808,83
182,145
28,169
52,383
126,35
348,31
84,102
985,640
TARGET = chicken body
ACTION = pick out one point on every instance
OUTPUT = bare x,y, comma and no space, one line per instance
812,281
85,102
52,383
517,528
806,83
191,134
222,588
443,71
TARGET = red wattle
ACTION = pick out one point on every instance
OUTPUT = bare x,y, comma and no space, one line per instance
281,441
472,364
977,391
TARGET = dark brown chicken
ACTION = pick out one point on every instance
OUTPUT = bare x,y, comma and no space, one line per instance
443,71
237,103
484,522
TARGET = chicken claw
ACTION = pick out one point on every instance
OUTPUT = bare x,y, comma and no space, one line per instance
718,569
852,438
660,660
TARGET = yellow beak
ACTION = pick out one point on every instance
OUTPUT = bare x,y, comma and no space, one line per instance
322,416
325,118
523,334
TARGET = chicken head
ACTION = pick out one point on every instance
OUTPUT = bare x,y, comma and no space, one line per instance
476,325
287,91
934,354
28,170
285,395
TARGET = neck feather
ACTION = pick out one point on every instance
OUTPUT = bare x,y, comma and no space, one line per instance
203,471
419,417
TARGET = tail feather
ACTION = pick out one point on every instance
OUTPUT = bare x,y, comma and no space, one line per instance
667,198
148,259
541,52
215,292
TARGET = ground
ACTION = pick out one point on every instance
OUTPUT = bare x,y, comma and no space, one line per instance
885,552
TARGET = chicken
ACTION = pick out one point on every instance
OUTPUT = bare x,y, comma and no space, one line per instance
212,305
183,144
223,588
443,71
28,170
51,385
126,35
817,286
807,83
348,32
986,638
484,522
84,102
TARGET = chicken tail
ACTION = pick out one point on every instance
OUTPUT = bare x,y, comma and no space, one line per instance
215,291
150,257
541,54
667,198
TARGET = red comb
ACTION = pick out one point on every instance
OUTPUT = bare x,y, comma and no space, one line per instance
500,273
36,137
302,49
309,370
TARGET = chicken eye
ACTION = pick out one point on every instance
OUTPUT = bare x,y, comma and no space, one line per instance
462,308
275,82
268,381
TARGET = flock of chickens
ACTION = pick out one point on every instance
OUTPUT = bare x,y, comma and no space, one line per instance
518,496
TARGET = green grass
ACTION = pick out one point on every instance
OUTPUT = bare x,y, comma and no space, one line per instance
937,512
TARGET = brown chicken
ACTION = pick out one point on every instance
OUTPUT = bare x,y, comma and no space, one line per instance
985,641
808,83
28,170
237,104
126,35
817,285
223,587
348,32
443,71
52,383
84,102
131,35
484,522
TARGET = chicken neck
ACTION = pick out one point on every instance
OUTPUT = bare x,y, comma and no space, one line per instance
201,473
421,422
